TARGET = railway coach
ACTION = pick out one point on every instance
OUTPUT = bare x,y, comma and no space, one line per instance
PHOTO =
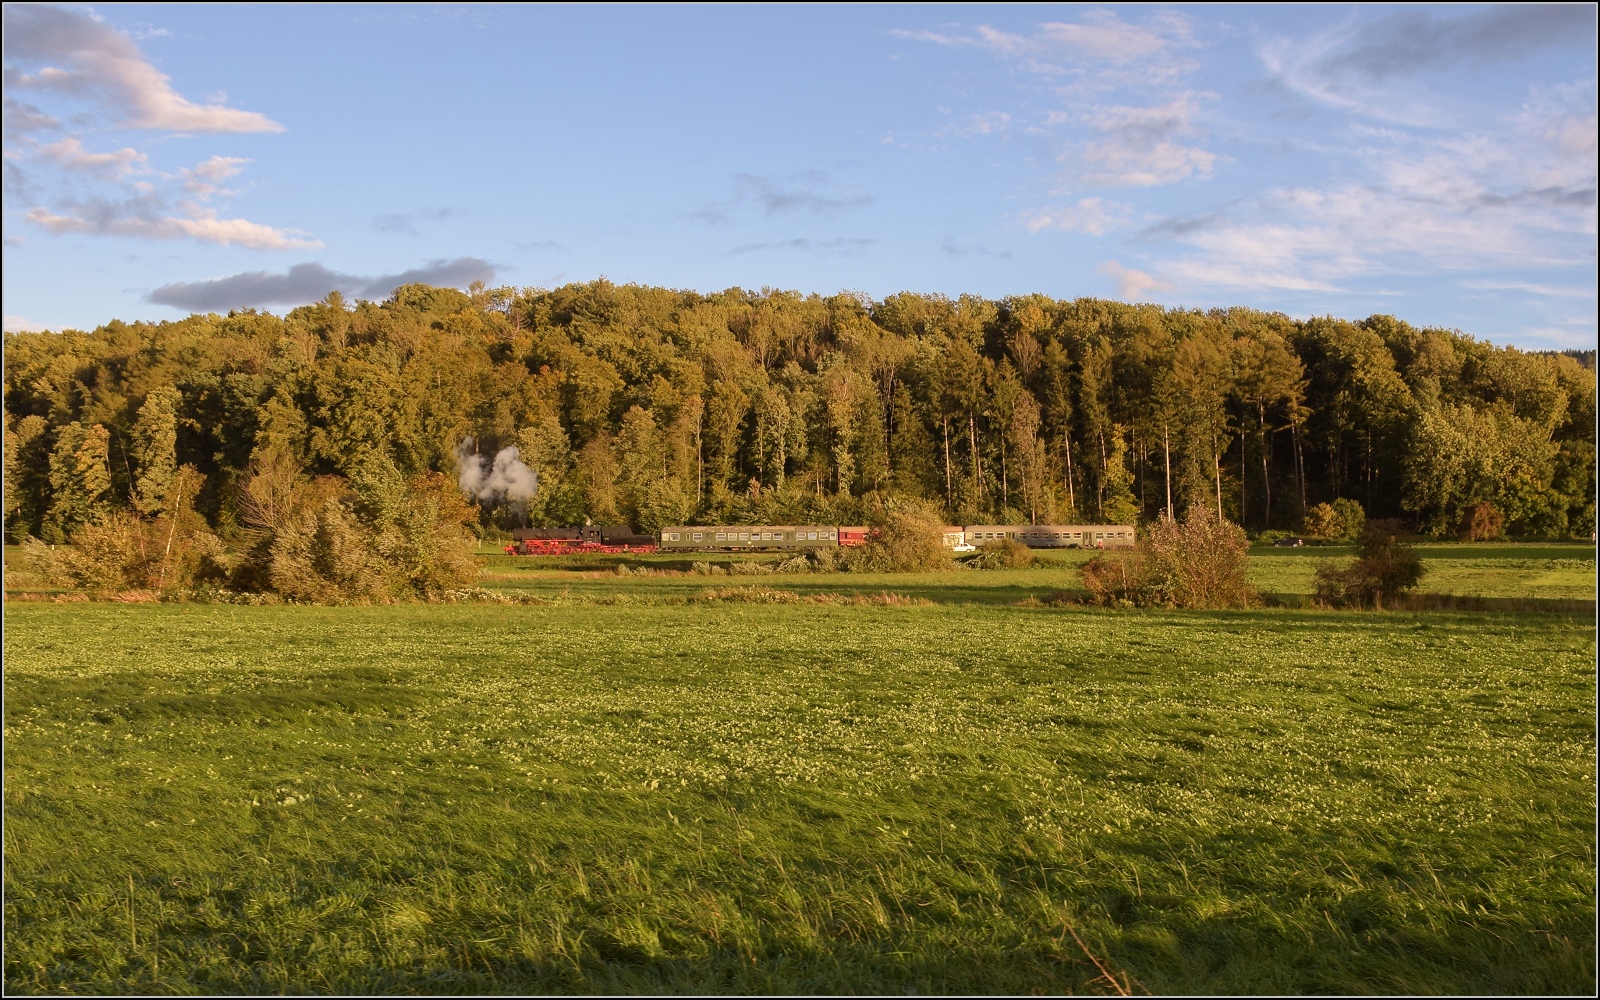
1052,536
741,538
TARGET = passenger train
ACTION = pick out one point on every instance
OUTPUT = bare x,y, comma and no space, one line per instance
792,537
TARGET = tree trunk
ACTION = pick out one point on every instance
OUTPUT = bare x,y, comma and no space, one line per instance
949,499
1072,496
977,468
1266,478
1005,474
1216,470
1166,444
1100,481
1299,466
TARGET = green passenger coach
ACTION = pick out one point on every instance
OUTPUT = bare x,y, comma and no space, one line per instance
745,537
1052,536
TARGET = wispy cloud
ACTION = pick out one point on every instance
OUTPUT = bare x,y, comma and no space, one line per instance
21,324
405,223
69,154
304,283
1362,66
98,218
950,248
840,246
1506,195
1064,48
1118,113
811,192
1143,146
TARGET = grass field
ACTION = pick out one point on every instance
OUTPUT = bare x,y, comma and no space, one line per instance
967,796
1554,572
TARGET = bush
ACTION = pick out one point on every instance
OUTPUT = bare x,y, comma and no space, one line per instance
1342,519
1006,554
1385,567
1481,522
1322,521
909,538
1352,518
120,552
1200,562
1116,579
324,542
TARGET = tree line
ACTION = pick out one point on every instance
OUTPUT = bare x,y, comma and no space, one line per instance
653,406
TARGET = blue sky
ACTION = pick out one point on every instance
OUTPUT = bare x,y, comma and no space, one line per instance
1433,162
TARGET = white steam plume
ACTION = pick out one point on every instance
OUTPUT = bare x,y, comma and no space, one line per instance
505,480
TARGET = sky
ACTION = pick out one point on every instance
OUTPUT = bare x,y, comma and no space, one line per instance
1435,163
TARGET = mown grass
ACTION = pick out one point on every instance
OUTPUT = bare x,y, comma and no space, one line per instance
796,798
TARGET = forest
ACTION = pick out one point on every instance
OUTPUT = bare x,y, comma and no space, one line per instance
654,406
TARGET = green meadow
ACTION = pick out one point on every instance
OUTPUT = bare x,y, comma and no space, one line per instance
680,783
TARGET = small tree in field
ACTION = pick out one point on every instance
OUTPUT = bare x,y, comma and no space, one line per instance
1481,522
1385,568
1199,562
1322,521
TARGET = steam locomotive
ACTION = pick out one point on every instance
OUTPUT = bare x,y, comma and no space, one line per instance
618,538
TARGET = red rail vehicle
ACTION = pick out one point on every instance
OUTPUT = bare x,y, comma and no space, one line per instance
603,538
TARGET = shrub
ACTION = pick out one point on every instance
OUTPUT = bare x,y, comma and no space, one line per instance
909,538
1385,567
1006,554
1481,522
120,551
1342,519
1352,519
324,542
1200,562
1116,579
1322,521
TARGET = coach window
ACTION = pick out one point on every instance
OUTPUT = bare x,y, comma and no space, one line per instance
697,536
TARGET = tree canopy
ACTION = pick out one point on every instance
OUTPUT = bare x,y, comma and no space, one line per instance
656,406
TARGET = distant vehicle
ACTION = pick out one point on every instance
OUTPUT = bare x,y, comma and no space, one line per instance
1289,543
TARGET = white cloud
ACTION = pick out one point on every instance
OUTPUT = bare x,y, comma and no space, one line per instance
1094,216
1131,284
1532,288
80,56
206,179
1140,145
72,57
124,220
69,154
21,324
1058,48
